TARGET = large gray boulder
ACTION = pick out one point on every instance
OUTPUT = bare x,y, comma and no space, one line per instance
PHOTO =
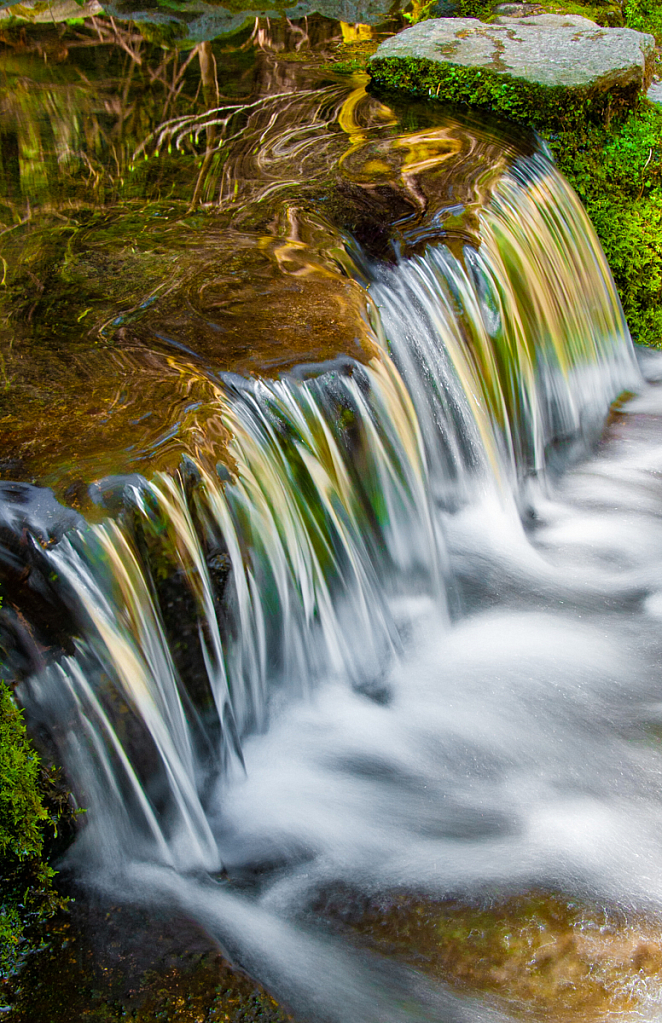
548,50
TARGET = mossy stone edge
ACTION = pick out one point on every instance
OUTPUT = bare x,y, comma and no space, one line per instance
514,98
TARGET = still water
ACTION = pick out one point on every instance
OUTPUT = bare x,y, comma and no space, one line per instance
346,625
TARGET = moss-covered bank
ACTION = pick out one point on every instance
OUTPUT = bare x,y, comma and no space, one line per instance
33,810
617,173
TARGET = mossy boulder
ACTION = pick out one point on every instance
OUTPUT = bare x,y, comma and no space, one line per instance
543,70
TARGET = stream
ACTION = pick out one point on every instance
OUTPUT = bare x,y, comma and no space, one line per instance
330,527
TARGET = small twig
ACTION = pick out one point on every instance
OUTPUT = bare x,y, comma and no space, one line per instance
643,183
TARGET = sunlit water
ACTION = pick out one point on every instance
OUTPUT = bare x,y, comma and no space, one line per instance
392,627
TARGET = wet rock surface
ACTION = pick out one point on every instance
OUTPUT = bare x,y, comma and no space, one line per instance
548,50
535,953
108,962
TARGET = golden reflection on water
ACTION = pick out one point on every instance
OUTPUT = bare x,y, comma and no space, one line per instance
123,411
166,215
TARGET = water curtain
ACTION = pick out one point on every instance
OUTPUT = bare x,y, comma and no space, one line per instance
221,594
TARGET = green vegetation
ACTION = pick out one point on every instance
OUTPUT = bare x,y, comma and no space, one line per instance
617,173
421,10
29,816
644,15
515,99
474,9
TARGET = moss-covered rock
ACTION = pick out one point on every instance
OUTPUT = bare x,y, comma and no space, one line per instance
537,955
544,70
108,963
485,89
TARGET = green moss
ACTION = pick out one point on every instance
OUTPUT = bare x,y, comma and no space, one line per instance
645,16
617,172
501,94
355,66
642,15
475,8
27,895
166,36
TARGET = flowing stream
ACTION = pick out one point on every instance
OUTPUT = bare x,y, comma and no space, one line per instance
398,632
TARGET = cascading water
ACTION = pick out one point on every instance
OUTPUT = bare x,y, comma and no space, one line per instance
339,656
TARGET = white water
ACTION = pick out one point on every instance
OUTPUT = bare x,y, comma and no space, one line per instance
435,666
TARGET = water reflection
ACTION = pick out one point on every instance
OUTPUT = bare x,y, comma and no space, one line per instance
168,214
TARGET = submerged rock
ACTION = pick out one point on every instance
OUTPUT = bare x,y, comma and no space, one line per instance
535,953
107,963
543,65
50,14
519,10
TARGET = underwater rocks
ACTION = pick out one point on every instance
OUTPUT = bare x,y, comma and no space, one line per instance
538,954
107,963
538,69
37,13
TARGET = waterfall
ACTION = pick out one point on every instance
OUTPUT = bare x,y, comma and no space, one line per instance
279,595
294,560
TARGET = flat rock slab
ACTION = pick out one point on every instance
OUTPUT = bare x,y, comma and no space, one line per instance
547,49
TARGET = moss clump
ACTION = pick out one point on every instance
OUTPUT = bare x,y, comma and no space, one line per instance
515,99
617,172
475,8
27,895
